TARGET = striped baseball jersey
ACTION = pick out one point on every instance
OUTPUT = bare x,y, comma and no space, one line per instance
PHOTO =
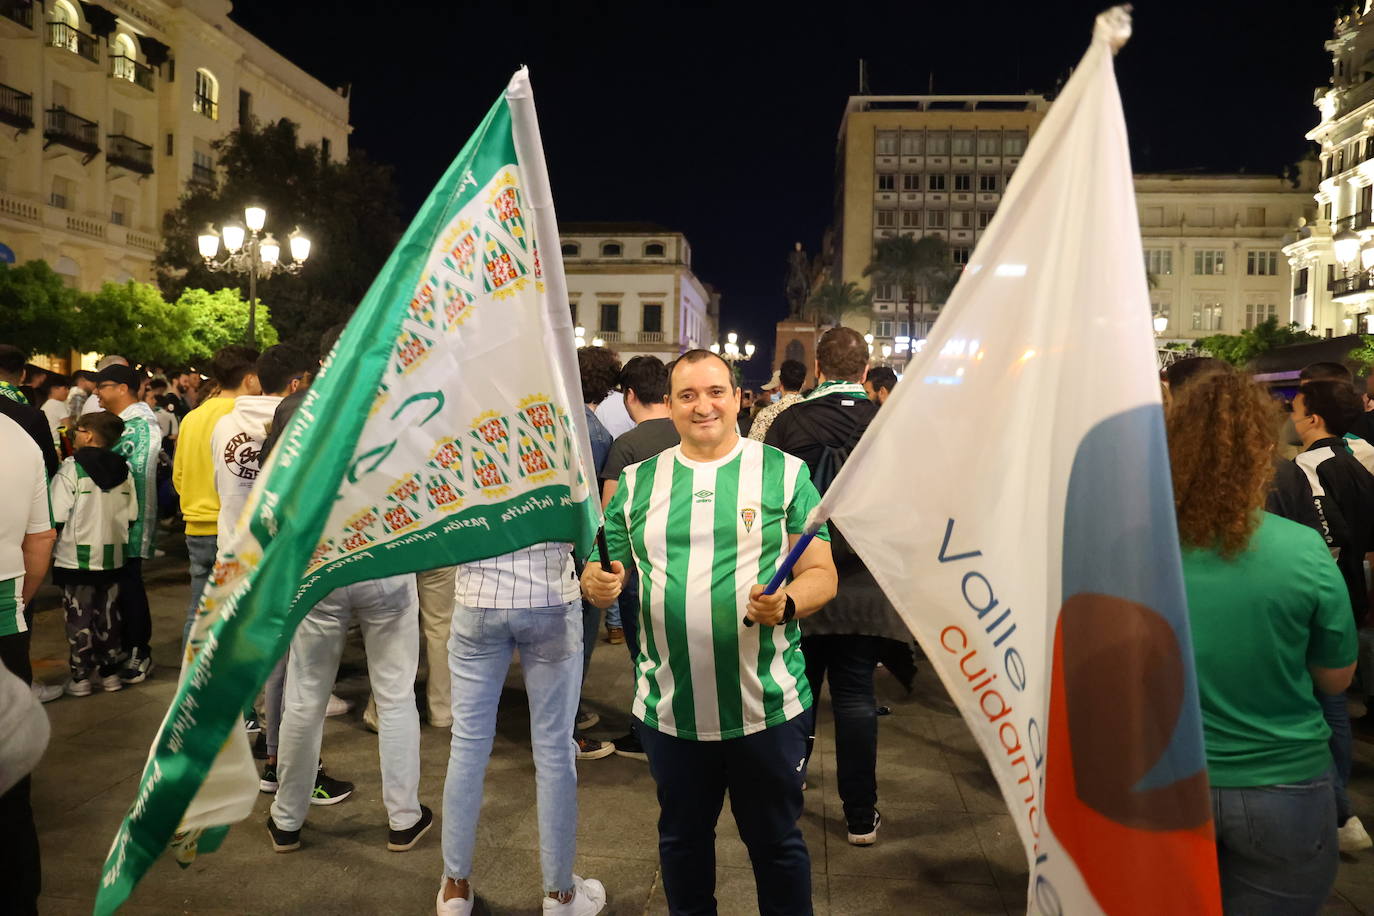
140,445
95,522
701,534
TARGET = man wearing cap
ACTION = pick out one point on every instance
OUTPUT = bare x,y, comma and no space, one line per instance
117,388
788,378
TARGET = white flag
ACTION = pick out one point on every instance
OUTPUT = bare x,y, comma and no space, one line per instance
1037,558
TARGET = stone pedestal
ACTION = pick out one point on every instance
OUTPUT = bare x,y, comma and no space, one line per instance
797,340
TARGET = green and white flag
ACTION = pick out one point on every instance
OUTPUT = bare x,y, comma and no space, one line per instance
447,426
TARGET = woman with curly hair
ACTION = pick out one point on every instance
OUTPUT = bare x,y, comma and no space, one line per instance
1270,620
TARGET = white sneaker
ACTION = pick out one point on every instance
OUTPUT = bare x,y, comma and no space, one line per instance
111,684
46,693
1352,837
75,688
458,906
337,706
588,898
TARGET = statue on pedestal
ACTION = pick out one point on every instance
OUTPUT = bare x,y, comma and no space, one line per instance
798,287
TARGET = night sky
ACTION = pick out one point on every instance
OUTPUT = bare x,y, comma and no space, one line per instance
720,120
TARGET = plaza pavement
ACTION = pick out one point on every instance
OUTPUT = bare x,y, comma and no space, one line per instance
947,845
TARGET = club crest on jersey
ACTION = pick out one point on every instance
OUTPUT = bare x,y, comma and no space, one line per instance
747,516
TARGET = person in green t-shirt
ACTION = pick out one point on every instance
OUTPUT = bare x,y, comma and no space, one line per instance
721,705
1271,623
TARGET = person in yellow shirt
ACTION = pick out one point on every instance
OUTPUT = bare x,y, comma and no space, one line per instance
193,468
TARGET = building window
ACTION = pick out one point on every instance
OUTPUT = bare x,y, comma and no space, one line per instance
911,143
984,218
1206,314
886,144
653,319
610,317
611,249
961,219
886,218
911,182
963,182
935,219
1014,143
202,163
989,143
1209,261
882,328
571,249
937,143
61,194
1262,263
246,109
1300,283
653,250
987,182
885,291
911,219
959,256
1159,261
326,148
963,143
206,99
1257,312
120,209
887,182
935,182
1326,212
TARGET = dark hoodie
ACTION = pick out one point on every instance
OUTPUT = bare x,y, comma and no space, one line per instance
104,467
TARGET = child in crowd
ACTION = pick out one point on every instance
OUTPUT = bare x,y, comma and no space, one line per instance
93,505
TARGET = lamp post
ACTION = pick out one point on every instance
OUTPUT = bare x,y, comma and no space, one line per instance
733,354
1161,323
247,250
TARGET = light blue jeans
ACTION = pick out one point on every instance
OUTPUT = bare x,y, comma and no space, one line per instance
388,614
202,549
480,647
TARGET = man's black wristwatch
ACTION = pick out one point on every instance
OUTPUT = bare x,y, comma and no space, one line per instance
791,610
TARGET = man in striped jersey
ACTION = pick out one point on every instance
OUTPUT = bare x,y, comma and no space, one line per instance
720,701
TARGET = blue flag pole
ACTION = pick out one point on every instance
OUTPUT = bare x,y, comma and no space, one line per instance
793,556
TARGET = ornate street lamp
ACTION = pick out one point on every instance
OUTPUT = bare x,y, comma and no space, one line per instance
1161,323
250,251
732,353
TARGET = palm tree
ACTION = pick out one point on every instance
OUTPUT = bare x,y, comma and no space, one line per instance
914,264
832,300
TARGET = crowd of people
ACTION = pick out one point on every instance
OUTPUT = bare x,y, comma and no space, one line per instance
703,499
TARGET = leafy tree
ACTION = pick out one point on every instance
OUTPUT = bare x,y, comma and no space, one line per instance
1364,353
832,300
217,319
38,313
133,320
1239,349
914,264
348,209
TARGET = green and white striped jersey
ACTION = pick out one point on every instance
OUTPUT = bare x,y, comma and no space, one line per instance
140,445
701,533
95,532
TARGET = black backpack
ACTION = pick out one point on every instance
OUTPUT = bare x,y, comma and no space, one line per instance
823,474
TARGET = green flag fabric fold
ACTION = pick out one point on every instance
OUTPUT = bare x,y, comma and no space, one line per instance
447,426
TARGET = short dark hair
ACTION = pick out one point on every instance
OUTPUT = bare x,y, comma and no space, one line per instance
842,354
329,338
696,356
278,365
157,384
792,374
54,380
599,369
1180,373
83,375
12,359
32,371
1326,371
1334,401
647,377
882,378
104,424
229,366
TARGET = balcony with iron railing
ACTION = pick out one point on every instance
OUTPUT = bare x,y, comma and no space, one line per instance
16,108
128,153
61,35
1353,222
18,12
1361,281
128,70
62,127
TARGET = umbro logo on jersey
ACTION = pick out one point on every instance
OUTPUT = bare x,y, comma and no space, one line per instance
747,516
704,496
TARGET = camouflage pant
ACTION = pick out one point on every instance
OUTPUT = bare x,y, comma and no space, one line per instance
93,631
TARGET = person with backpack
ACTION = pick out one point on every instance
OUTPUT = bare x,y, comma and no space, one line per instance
844,639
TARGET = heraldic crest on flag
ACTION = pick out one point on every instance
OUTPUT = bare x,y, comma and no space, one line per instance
447,426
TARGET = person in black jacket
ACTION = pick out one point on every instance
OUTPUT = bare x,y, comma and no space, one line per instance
845,638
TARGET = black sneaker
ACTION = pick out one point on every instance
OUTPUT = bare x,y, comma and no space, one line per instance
268,782
585,719
591,749
138,668
260,746
328,790
865,833
401,840
283,840
252,726
629,746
